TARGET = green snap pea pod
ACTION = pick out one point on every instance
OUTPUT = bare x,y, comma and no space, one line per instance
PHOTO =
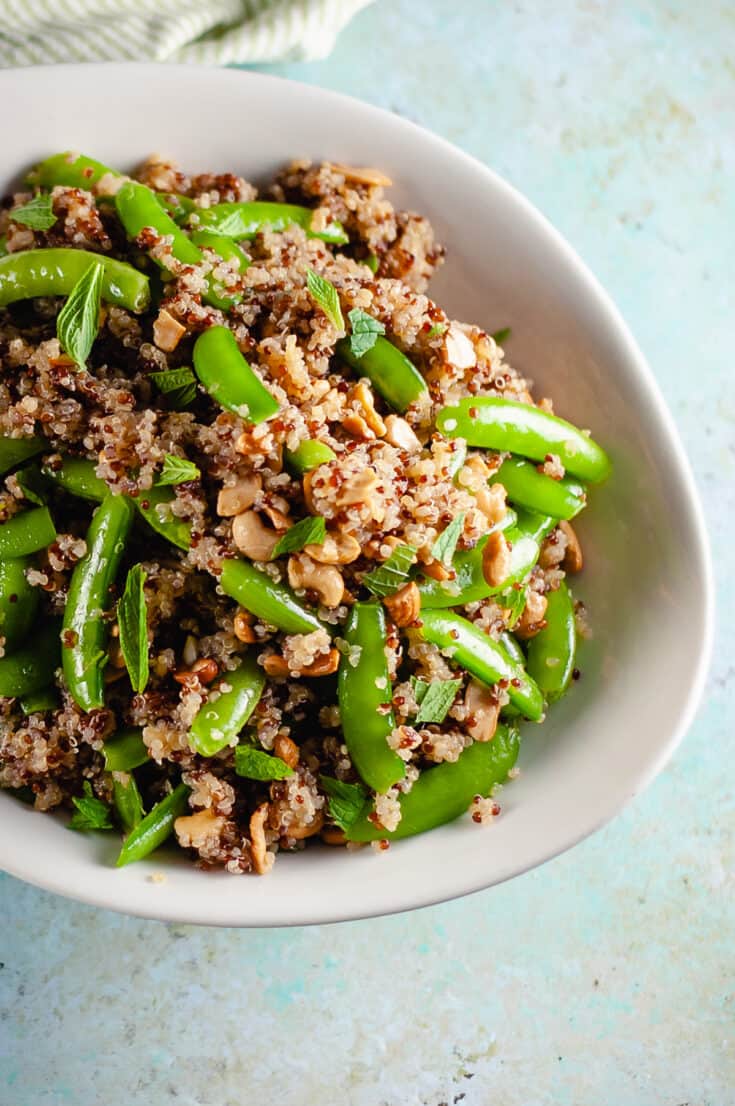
532,489
390,372
157,825
365,700
54,272
152,505
273,603
18,602
26,532
127,801
125,751
70,169
492,422
228,378
84,627
469,584
308,455
444,793
31,667
139,209
219,722
218,295
512,647
476,652
178,207
78,477
245,220
38,702
551,651
14,451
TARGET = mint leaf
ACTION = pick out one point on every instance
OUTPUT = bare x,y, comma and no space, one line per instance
372,261
309,531
177,470
78,321
179,386
91,813
231,225
345,801
501,336
132,622
513,600
393,574
324,294
437,329
33,485
254,764
365,331
445,545
434,699
37,214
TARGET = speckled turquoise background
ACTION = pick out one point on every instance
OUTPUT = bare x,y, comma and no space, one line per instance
605,978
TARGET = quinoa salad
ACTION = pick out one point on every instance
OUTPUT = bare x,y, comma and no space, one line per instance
284,549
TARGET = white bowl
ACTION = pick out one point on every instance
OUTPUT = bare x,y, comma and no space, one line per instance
647,577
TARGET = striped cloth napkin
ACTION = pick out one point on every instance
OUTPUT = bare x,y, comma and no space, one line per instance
213,32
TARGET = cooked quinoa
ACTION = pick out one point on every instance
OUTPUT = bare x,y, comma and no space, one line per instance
394,482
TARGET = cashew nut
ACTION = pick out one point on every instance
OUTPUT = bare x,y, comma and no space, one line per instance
404,606
252,537
237,497
483,711
496,559
262,859
325,580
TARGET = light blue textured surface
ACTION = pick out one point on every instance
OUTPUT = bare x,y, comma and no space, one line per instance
607,976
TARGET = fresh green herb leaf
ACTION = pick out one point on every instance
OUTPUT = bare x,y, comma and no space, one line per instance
345,800
179,386
33,485
37,214
372,261
230,225
78,321
434,699
132,621
445,545
512,600
501,336
392,574
309,531
437,330
365,331
177,470
91,813
127,800
254,764
324,294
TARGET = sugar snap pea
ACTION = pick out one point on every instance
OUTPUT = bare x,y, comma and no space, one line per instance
365,699
78,477
492,422
529,488
38,702
308,455
14,451
54,272
445,792
273,603
125,751
70,169
551,652
245,220
138,210
18,602
220,720
228,378
390,372
218,294
476,652
32,667
126,799
84,627
26,532
157,825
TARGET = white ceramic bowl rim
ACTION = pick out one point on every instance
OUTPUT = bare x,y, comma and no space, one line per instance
331,887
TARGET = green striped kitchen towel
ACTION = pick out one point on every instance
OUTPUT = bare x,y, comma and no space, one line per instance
33,32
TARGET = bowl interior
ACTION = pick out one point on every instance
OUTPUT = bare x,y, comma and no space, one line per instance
646,580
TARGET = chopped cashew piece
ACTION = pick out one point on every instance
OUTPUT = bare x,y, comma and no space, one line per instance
573,559
194,830
262,859
355,425
496,559
252,537
532,618
324,665
287,750
336,549
298,833
237,497
366,175
325,580
459,349
400,434
404,606
242,627
483,711
167,331
363,395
